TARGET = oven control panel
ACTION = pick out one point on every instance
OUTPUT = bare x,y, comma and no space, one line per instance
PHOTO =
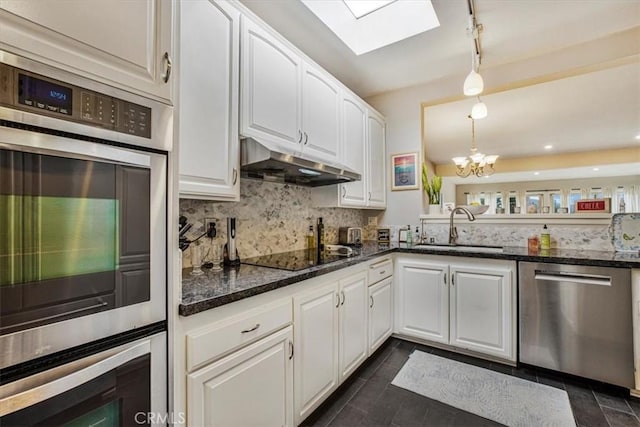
23,90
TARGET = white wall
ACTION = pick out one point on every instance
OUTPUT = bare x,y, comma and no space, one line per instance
402,110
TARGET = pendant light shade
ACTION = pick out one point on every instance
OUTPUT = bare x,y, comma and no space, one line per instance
473,84
479,110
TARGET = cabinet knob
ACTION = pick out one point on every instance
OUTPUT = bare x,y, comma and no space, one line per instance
371,299
299,136
338,300
344,192
235,176
290,350
342,293
306,138
167,70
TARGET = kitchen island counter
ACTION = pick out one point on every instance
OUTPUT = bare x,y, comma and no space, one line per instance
217,288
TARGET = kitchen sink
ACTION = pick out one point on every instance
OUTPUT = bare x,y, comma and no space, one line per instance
463,248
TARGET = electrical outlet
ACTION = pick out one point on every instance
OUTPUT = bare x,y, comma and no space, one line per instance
373,220
210,227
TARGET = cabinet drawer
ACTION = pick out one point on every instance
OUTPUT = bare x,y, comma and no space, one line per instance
380,270
215,340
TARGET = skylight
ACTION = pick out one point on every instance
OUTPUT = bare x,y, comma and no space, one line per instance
360,8
366,25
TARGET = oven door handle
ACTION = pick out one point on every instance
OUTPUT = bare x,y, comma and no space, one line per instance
37,388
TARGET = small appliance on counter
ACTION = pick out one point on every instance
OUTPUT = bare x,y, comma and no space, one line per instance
230,251
341,250
350,236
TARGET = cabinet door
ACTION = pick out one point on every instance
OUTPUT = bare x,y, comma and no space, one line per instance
380,313
121,43
320,114
353,323
354,122
208,107
377,175
315,317
250,387
482,310
423,300
270,88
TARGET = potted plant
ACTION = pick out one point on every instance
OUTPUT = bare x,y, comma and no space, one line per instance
432,189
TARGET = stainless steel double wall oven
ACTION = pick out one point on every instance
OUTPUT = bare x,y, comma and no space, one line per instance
83,250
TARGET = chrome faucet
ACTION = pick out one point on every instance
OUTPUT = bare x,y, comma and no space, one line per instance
453,233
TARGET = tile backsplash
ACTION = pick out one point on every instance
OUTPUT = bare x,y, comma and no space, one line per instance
584,237
271,218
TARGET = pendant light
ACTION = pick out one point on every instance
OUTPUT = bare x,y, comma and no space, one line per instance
473,84
479,110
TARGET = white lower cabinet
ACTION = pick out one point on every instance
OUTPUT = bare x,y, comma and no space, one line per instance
331,339
463,302
250,387
380,313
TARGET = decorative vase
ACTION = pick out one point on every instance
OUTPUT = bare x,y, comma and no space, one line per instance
434,210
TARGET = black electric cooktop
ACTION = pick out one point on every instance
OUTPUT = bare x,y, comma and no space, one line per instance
293,260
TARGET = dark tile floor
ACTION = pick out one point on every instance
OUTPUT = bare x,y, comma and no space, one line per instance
368,399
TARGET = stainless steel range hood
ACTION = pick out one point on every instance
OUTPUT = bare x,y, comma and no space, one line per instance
263,160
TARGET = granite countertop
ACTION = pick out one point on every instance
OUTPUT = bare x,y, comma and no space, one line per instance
216,288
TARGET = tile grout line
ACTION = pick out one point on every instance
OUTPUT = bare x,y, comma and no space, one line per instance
593,393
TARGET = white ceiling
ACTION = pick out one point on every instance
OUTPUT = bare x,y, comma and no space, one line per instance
580,113
514,30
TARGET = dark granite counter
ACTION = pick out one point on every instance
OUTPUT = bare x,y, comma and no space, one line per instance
216,288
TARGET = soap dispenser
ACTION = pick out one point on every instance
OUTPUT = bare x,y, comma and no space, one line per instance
545,239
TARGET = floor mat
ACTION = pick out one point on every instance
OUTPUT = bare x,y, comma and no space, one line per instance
503,398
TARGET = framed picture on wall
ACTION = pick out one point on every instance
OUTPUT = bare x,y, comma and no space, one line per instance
404,169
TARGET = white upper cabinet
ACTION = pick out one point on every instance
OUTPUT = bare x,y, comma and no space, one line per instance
320,114
363,150
354,149
270,88
126,44
376,174
207,124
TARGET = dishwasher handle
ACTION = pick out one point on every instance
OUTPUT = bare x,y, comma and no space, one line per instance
574,278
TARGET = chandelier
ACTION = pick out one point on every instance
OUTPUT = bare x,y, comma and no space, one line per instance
476,163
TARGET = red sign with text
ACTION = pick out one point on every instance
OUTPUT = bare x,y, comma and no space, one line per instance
594,205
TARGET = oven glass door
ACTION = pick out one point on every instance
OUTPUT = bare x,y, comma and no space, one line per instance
118,387
74,237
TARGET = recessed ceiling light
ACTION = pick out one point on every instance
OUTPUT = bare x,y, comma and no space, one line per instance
548,147
536,173
596,169
638,136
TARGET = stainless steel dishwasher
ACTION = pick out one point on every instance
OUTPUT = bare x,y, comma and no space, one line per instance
578,320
